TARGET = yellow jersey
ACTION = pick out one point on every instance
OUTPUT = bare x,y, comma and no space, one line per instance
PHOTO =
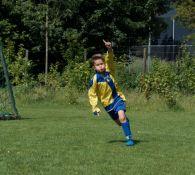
104,87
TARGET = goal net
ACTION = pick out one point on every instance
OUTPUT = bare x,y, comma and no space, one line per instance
8,108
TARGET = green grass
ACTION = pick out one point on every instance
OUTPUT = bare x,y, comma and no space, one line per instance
58,139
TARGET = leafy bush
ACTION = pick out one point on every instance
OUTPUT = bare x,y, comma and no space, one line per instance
20,69
185,71
54,86
161,81
78,75
166,79
53,78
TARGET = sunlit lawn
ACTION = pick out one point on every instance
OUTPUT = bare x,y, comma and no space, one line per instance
56,139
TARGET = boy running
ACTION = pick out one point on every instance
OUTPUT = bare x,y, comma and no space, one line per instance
104,87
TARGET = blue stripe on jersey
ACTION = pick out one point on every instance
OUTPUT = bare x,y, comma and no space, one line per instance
106,78
100,78
90,83
111,84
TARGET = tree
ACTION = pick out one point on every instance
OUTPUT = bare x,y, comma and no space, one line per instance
77,24
185,13
118,20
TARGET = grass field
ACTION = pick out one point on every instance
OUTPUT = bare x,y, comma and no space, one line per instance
58,139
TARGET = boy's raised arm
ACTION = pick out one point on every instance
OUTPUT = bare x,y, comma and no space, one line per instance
108,45
109,58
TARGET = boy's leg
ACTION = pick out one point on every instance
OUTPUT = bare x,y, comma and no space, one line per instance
125,126
117,121
115,117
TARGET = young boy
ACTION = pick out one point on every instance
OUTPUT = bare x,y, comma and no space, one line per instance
104,87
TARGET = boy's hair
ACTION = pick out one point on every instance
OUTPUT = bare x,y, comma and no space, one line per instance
96,56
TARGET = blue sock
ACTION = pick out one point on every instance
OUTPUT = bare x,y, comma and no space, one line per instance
126,129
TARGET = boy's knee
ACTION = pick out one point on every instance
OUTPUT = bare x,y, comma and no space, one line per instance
122,116
122,119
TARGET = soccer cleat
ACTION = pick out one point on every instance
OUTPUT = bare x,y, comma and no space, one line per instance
130,142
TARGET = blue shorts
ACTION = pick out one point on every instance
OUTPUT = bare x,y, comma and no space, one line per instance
120,105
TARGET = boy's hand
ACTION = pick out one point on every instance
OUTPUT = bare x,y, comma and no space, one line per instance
108,44
97,112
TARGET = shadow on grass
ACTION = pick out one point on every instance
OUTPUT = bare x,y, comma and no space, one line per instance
123,141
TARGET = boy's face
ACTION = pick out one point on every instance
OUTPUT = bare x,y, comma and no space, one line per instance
99,65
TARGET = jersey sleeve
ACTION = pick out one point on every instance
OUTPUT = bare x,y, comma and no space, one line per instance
109,61
92,94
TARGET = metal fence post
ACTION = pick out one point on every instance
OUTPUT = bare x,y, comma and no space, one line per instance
144,60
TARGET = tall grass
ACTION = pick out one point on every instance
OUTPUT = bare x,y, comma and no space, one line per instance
42,94
70,95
